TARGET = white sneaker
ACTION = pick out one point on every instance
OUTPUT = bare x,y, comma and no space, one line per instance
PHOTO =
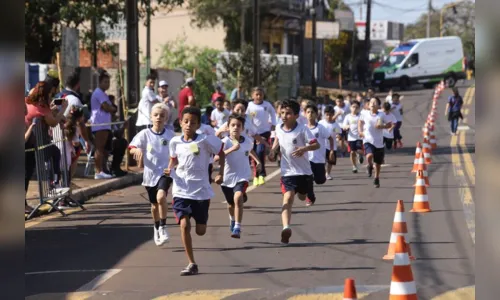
156,237
102,175
329,177
162,235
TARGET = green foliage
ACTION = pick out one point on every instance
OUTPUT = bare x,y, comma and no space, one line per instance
242,64
178,54
44,18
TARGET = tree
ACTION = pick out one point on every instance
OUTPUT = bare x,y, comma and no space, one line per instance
178,54
45,18
462,24
242,64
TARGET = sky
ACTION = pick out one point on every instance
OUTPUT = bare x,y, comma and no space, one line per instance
402,11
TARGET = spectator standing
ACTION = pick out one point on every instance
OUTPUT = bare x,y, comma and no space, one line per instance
454,110
218,94
170,102
101,110
186,96
148,99
237,93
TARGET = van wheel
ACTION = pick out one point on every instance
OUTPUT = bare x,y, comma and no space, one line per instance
450,80
404,83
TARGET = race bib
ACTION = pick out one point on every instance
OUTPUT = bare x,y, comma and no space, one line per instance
193,147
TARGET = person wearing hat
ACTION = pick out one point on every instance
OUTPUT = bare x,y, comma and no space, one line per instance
170,102
218,93
148,99
186,96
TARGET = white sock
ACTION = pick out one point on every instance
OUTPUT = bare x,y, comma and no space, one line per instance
237,225
286,227
231,218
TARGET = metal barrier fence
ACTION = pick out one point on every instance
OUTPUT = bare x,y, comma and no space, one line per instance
52,168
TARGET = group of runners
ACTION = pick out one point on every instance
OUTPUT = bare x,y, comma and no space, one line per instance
304,137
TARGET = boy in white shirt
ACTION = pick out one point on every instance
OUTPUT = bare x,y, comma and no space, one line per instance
341,110
389,132
317,158
334,129
151,145
208,130
397,111
355,142
190,155
148,99
261,112
219,114
294,140
237,150
371,126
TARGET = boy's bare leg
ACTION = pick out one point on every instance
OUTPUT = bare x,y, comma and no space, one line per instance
186,238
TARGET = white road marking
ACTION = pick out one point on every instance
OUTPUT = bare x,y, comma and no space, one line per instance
268,177
67,271
463,128
99,280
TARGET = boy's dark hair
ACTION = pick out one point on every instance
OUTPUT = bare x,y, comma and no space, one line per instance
294,106
395,95
378,101
219,99
366,100
258,89
191,110
227,101
313,107
209,109
150,77
73,79
240,101
236,117
340,97
329,109
386,106
278,103
356,102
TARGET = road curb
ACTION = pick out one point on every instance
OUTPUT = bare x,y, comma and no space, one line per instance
84,194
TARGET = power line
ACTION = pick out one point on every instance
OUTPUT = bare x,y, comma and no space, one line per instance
415,9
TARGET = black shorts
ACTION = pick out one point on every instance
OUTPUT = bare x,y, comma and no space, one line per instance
197,209
343,134
334,161
388,143
378,153
356,145
300,184
163,184
230,191
319,174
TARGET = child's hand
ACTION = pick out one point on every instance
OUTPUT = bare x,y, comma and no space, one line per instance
272,156
216,158
138,155
235,147
218,179
331,155
258,166
298,152
166,172
362,135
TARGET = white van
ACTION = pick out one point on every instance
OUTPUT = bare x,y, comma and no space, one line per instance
422,61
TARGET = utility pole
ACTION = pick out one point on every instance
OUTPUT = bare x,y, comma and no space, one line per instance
242,27
148,36
313,55
94,39
429,13
256,43
368,31
132,53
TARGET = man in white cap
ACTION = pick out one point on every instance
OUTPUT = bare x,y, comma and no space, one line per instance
148,99
186,96
170,102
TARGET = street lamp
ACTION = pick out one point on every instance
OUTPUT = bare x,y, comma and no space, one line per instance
452,5
312,11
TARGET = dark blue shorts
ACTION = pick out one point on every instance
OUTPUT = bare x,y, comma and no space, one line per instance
230,191
300,184
356,145
343,134
197,209
319,174
164,183
378,153
331,162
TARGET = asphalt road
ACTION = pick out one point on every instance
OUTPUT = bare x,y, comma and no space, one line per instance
107,251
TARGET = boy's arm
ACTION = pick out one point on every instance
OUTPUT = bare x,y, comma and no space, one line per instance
171,165
361,125
330,140
261,140
254,156
274,149
222,162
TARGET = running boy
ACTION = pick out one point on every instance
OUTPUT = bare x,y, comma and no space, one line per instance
190,155
237,149
397,111
317,158
389,133
152,145
355,142
219,114
341,110
294,140
264,118
334,129
371,126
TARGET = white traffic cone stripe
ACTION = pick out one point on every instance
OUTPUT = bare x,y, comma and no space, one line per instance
399,217
420,182
394,237
403,288
401,259
420,198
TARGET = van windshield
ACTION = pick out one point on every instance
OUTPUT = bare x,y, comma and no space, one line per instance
394,60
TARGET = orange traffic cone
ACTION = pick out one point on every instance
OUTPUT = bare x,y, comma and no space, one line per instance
422,176
426,150
398,228
419,159
432,140
403,285
420,199
350,289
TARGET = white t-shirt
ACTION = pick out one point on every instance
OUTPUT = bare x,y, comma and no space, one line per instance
220,117
148,99
191,174
372,134
352,121
155,150
390,134
289,141
72,101
207,130
302,119
344,112
261,114
172,116
333,129
396,111
249,131
321,133
237,167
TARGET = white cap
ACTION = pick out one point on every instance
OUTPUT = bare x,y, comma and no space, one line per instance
189,80
163,83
